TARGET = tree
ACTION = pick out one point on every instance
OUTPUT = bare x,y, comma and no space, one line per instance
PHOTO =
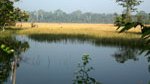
9,14
129,6
125,21
10,51
74,17
19,15
125,18
6,11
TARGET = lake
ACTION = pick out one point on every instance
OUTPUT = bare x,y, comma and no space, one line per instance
53,59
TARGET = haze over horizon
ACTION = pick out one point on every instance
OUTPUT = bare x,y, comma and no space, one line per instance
94,6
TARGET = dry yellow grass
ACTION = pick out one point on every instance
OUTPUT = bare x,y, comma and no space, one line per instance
103,27
96,30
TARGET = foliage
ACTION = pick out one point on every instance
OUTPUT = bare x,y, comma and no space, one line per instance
129,4
76,17
9,14
6,49
82,75
125,19
146,36
10,45
126,25
20,15
130,25
9,48
120,20
6,11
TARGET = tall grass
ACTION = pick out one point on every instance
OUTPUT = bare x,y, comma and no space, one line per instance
96,30
105,33
103,41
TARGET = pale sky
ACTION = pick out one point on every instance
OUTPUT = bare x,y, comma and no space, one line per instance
95,6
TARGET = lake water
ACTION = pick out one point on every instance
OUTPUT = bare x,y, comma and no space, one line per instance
55,61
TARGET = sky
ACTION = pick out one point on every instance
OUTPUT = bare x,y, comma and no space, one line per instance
95,6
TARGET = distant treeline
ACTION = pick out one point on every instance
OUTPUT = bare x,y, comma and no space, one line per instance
74,17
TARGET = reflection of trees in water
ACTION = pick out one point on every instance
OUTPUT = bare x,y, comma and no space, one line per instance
147,53
148,59
7,60
129,49
82,74
125,53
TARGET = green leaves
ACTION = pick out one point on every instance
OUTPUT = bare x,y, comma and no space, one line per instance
129,3
85,59
146,37
82,75
125,20
6,49
130,25
20,15
9,14
6,7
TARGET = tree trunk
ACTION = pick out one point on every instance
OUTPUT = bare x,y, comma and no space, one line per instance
4,27
128,14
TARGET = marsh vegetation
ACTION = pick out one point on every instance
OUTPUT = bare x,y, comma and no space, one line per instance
52,47
35,52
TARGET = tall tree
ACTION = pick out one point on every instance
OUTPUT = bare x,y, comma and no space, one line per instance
125,19
130,6
19,15
9,14
6,11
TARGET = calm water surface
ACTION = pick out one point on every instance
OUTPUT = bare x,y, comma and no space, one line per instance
56,61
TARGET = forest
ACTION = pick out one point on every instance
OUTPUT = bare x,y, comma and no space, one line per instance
80,17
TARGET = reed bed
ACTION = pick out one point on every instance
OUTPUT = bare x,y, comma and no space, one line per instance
95,30
105,34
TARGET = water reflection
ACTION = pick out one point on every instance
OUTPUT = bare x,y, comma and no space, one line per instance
10,62
62,52
126,53
147,50
127,48
132,43
82,74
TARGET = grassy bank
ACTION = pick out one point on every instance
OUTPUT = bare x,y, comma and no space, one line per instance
94,30
7,33
98,34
